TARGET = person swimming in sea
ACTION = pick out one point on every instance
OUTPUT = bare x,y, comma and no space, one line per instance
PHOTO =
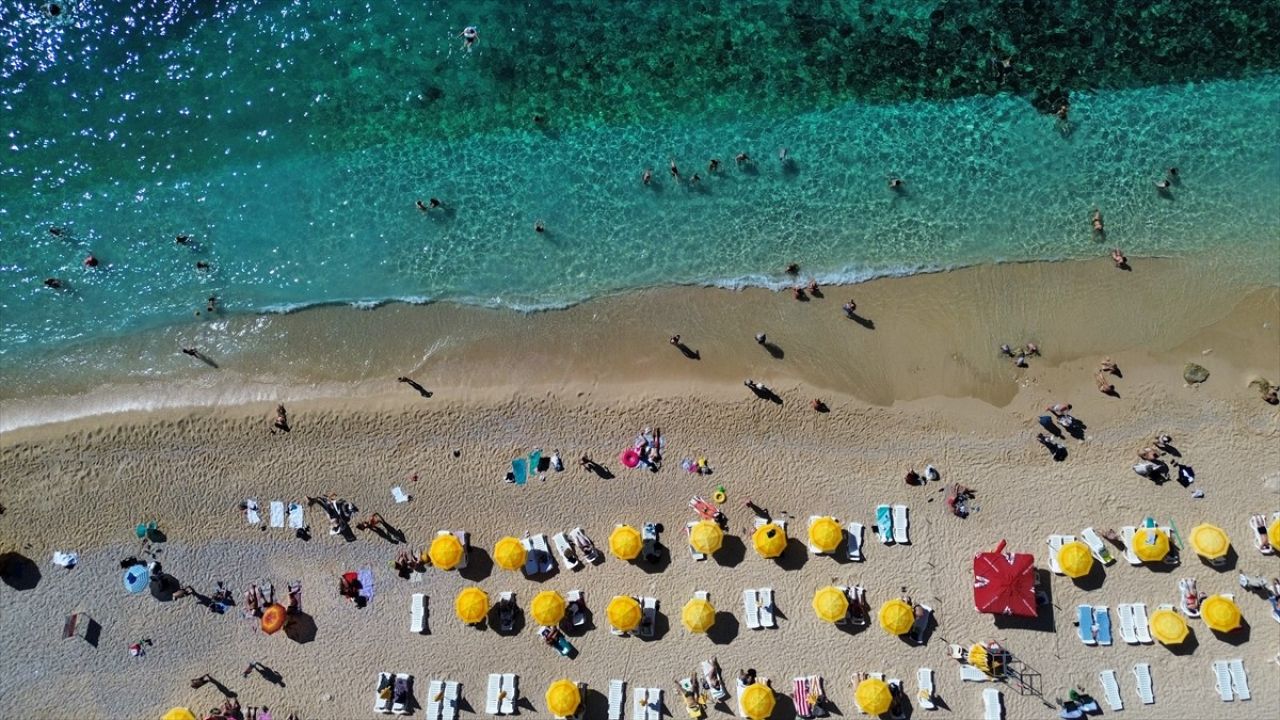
646,176
469,37
1098,230
675,171
713,166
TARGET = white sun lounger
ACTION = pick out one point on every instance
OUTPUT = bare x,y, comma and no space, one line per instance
417,613
710,677
1084,622
751,608
277,514
1142,681
508,703
251,512
688,528
1096,546
1222,680
1111,689
546,563
1239,680
491,696
402,708
901,525
435,689
993,708
969,673
617,695
579,618
1055,543
565,551
1141,625
464,538
766,608
531,562
855,531
884,524
1126,534
297,519
384,703
1128,633
924,679
649,610
647,704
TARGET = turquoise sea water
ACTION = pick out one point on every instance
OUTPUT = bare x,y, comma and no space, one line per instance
290,140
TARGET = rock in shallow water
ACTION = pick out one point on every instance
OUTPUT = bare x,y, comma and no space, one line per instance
1194,373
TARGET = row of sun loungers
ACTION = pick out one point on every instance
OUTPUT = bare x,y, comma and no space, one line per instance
393,693
757,608
893,525
1133,623
1230,679
647,704
502,694
442,700
1094,624
297,519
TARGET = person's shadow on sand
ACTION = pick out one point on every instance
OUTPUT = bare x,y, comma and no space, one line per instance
765,393
687,351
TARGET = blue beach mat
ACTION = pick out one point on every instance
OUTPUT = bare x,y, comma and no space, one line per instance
519,471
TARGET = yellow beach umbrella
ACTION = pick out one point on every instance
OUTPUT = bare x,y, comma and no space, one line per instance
896,617
445,552
757,701
1273,533
979,657
178,714
873,696
1209,541
563,698
705,537
825,534
1076,559
831,604
547,608
1167,627
625,542
471,605
698,615
769,540
1220,613
623,613
1150,544
509,554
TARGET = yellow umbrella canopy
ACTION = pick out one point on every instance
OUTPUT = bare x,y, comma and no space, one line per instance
509,554
472,605
896,617
770,540
547,608
1150,544
1209,541
625,542
623,613
1167,627
1273,533
1220,613
831,604
563,698
757,701
698,615
825,534
705,537
1076,559
873,696
445,552
979,657
178,714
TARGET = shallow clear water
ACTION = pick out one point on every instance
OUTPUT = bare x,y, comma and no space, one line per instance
291,139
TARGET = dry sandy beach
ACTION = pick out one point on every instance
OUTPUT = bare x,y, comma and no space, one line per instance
919,383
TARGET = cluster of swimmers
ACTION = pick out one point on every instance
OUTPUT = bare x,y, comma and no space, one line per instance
1021,354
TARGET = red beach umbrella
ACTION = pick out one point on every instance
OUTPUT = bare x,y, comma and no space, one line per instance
1004,583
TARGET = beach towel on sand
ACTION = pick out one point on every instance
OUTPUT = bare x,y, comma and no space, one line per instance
296,519
251,511
277,514
366,583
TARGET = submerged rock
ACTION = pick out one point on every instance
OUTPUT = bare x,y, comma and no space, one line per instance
1194,373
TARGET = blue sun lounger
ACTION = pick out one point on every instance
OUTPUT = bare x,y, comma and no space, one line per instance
519,471
1084,618
1102,621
